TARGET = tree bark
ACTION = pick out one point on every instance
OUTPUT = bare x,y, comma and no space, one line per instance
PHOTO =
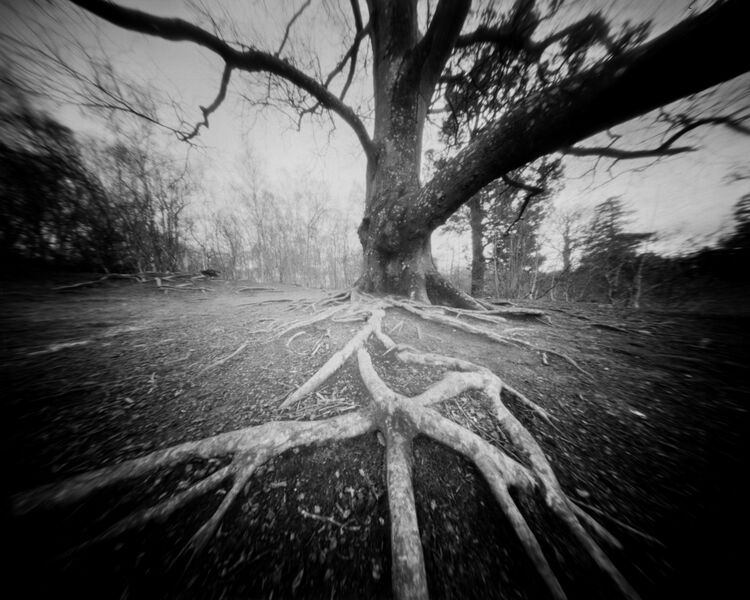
405,70
478,264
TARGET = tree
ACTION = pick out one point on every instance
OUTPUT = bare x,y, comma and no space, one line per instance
739,240
566,237
400,214
295,237
73,201
610,258
50,196
512,229
147,195
599,85
505,216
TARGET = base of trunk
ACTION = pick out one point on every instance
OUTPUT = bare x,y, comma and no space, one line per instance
411,274
442,291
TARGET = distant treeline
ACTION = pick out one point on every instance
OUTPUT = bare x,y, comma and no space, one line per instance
627,275
600,260
126,205
87,204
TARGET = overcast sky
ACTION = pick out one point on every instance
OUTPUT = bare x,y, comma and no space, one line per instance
683,199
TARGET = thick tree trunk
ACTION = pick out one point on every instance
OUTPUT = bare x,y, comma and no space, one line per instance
408,271
397,254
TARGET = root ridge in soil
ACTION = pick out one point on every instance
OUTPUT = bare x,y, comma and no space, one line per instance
225,469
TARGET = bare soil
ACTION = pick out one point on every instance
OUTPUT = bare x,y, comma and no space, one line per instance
654,435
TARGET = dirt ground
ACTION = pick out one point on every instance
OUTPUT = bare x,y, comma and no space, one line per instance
652,439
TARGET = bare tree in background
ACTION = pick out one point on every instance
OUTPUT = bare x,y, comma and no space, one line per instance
72,201
566,238
259,235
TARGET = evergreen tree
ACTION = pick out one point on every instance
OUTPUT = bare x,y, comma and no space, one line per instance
610,259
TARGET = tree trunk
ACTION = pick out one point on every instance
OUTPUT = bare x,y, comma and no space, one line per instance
476,220
397,251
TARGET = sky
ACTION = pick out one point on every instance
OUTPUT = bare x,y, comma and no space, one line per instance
687,200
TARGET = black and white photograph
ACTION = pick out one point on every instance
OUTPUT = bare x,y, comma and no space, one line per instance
375,299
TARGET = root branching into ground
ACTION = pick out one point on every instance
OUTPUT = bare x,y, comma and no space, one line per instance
163,281
397,418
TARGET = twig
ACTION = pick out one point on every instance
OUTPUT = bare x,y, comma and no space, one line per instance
396,327
221,361
184,289
325,519
327,334
611,327
565,357
74,286
296,335
617,521
269,301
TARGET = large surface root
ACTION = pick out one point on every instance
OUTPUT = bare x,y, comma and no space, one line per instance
398,418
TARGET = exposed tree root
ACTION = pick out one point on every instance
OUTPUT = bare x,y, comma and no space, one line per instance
106,334
294,337
431,315
175,288
143,277
73,286
497,312
443,292
255,288
399,419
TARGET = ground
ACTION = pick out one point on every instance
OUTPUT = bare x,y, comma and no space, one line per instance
649,434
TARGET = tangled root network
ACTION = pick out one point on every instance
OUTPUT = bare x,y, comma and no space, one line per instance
398,418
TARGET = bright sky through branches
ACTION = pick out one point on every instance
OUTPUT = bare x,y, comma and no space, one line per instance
685,199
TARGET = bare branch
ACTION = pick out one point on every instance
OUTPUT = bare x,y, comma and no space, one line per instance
289,25
620,154
532,190
664,149
434,48
733,123
350,57
353,51
249,59
213,106
517,183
